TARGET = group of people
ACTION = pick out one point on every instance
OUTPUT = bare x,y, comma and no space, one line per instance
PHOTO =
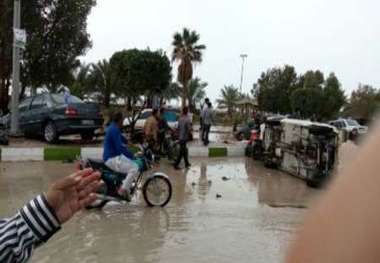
155,129
119,158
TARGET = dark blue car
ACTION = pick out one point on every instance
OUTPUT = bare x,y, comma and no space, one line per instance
52,115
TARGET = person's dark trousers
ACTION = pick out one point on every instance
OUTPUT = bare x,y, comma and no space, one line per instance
152,145
183,153
205,133
161,141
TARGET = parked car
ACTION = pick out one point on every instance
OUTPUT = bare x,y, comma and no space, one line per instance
244,132
170,115
48,115
349,125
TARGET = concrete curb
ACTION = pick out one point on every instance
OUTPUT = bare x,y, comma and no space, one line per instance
22,154
72,153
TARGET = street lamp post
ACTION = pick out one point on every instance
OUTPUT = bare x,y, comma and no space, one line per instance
15,71
243,57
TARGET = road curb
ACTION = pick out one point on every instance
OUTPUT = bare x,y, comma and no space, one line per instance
22,154
71,153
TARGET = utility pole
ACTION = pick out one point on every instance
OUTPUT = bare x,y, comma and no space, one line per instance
243,57
15,71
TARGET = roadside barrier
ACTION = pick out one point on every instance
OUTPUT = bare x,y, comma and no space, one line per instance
14,154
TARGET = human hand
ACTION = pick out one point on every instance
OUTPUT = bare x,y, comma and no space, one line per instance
72,193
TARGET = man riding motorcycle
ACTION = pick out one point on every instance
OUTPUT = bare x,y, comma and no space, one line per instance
118,157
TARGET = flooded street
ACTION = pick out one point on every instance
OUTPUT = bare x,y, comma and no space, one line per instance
252,221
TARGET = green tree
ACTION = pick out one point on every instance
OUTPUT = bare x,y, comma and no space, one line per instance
196,92
140,73
274,88
333,98
307,98
364,103
306,102
173,92
103,81
229,95
186,51
57,35
81,85
6,35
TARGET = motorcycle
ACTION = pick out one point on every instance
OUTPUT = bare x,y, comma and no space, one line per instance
170,146
156,188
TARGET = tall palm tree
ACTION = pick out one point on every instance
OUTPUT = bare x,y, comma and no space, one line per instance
102,80
186,51
196,92
228,98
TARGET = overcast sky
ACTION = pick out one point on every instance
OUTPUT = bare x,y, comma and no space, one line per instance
342,36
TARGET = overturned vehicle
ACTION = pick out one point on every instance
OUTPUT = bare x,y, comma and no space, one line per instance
301,148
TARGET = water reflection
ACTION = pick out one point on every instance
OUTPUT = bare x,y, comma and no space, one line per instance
278,189
204,184
195,226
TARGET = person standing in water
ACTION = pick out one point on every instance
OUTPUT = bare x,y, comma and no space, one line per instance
184,127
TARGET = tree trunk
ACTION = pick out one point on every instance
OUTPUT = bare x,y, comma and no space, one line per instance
107,98
184,95
149,102
4,94
129,104
22,92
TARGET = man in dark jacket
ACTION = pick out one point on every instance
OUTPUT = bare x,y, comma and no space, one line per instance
184,129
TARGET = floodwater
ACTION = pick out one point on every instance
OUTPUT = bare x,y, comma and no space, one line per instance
253,221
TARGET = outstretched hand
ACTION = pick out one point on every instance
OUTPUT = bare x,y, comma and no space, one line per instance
72,193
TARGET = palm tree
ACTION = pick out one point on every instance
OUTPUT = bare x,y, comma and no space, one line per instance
102,80
172,92
186,52
229,96
81,84
196,92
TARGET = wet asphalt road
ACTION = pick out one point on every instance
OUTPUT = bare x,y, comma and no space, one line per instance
253,221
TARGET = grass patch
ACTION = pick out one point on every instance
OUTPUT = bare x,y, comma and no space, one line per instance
217,152
61,153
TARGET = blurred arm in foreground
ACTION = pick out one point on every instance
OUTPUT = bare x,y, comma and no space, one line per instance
344,226
42,217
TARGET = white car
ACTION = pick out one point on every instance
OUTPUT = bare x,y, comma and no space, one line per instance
170,115
349,125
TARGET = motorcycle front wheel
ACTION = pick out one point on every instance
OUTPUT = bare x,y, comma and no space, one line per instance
157,190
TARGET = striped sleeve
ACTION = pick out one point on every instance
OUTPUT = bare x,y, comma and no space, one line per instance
36,222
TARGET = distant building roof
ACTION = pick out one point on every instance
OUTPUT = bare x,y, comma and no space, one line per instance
247,101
